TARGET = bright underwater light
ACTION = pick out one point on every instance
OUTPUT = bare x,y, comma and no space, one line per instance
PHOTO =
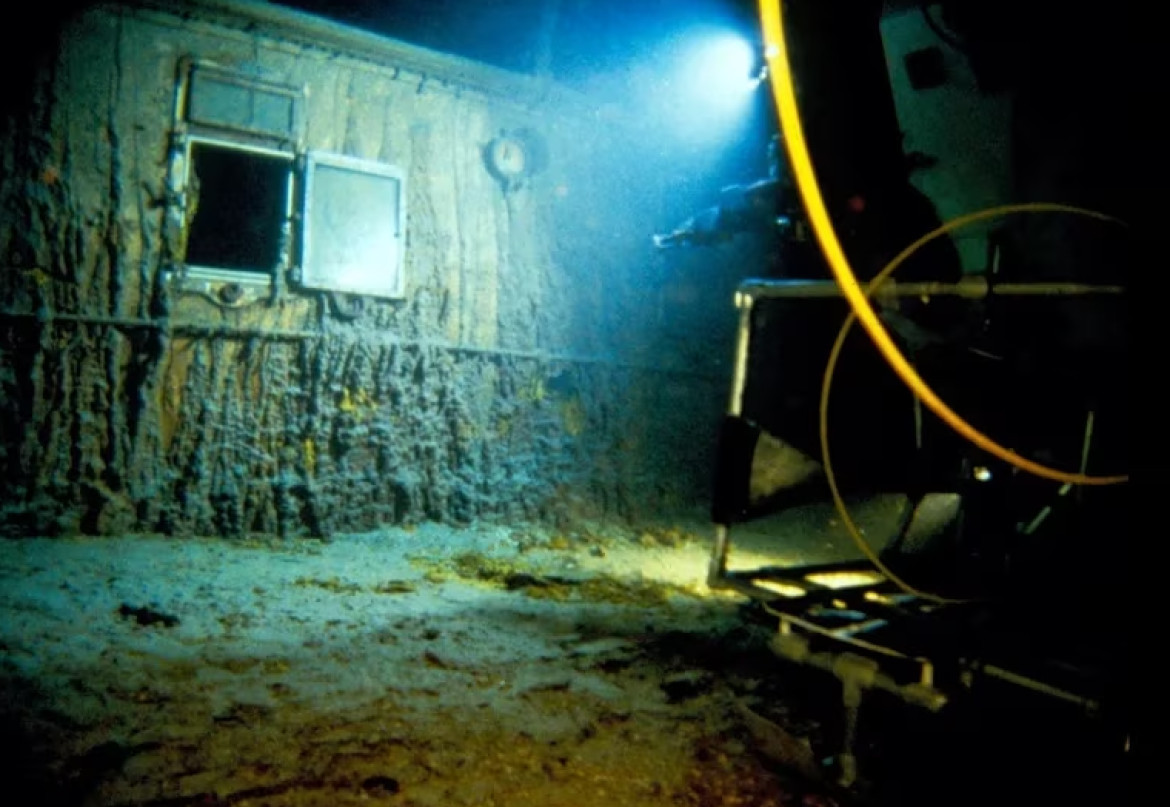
708,77
724,71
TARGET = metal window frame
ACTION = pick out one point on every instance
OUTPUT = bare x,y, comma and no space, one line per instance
211,281
308,279
193,68
261,276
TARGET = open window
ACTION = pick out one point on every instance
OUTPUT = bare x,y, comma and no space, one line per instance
237,206
231,181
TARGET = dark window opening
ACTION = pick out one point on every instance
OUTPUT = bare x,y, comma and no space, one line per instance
237,202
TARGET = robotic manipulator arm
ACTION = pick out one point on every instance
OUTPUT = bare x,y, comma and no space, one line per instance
760,208
741,209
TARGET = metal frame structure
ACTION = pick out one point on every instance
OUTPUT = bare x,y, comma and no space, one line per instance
286,144
315,275
871,635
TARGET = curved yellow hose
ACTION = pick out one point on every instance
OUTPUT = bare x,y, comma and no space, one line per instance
814,203
846,327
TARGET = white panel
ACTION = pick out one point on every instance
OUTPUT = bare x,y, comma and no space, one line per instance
355,214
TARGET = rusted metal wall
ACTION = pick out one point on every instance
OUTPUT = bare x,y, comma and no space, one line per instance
492,390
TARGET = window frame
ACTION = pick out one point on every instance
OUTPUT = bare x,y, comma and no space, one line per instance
310,278
261,275
227,286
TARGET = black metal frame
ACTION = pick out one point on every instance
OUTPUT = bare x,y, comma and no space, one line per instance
874,635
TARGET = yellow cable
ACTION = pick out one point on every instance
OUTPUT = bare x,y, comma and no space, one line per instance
838,501
838,346
814,203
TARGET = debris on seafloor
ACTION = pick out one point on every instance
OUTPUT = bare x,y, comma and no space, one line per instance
339,586
598,543
395,587
147,616
778,745
334,584
670,537
533,581
381,786
435,661
686,685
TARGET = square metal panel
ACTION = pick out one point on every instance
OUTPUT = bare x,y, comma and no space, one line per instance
354,236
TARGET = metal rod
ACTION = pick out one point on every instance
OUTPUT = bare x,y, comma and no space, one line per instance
974,287
1035,523
917,423
743,339
812,627
847,760
796,648
1088,442
85,319
717,571
1037,686
796,574
236,145
278,334
1065,488
861,627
